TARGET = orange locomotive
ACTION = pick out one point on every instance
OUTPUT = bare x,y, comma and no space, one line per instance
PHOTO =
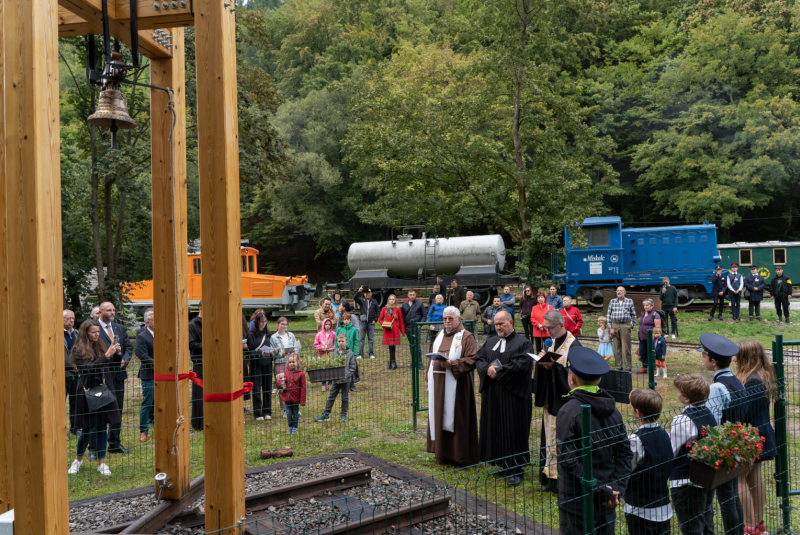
275,294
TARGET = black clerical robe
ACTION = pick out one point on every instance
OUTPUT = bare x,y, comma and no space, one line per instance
506,404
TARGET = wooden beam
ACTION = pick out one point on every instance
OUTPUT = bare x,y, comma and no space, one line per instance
90,12
150,19
33,189
5,364
170,302
218,148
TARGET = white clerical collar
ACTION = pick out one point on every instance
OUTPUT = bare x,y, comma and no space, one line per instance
501,344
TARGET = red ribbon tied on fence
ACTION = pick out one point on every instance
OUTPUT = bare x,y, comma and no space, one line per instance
192,376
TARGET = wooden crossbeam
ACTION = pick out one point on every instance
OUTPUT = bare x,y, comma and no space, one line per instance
79,17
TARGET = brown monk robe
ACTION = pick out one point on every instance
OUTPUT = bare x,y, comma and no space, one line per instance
461,445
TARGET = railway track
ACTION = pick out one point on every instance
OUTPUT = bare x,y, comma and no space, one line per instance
260,508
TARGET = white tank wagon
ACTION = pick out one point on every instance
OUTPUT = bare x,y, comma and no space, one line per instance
477,262
406,258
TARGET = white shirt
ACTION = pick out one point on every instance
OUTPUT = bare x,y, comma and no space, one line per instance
151,332
654,514
104,327
682,431
284,339
718,396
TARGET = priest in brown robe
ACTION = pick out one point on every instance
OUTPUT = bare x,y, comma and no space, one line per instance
452,418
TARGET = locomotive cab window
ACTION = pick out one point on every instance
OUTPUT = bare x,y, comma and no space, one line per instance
779,256
745,257
596,237
250,264
196,266
244,264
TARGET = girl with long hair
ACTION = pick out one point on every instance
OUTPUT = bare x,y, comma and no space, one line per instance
757,374
92,360
260,344
392,335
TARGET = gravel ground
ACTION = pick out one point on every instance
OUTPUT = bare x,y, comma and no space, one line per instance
384,493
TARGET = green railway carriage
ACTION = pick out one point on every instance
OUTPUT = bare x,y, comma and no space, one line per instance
765,255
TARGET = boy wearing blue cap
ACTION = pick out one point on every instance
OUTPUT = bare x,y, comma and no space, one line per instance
611,451
726,402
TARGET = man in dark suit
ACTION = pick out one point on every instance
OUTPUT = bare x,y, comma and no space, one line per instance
456,294
196,356
144,352
119,371
755,284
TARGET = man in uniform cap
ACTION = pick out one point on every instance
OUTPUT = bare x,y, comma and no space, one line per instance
780,288
755,284
726,402
718,284
611,450
735,283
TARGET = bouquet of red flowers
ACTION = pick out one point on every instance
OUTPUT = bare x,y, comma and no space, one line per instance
727,446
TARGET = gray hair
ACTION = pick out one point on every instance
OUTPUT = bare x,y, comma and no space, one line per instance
452,310
64,314
554,316
649,302
567,298
148,316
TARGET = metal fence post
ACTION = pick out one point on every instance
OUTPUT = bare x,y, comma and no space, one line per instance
587,481
651,361
414,372
782,477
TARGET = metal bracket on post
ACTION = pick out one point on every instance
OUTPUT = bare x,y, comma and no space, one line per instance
651,361
414,372
588,482
782,478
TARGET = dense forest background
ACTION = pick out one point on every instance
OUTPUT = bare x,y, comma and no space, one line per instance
516,117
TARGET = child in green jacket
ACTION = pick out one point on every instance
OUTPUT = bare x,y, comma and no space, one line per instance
346,327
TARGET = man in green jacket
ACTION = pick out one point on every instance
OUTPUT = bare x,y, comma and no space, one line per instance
669,304
470,309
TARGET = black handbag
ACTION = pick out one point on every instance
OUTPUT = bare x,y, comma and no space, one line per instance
98,397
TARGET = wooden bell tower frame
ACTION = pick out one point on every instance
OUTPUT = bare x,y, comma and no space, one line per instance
33,471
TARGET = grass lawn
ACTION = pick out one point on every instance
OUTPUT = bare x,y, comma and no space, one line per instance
380,421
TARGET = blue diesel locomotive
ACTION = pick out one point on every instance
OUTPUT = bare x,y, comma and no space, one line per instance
638,258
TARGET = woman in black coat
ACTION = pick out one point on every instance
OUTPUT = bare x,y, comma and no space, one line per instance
93,361
258,342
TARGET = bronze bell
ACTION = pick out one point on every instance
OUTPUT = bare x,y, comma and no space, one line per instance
112,111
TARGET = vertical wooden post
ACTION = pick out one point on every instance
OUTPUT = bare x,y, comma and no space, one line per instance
218,147
170,302
5,369
33,182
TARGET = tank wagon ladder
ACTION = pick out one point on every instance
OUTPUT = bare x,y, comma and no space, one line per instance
430,258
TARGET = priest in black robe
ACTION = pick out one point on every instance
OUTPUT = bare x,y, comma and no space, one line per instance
506,404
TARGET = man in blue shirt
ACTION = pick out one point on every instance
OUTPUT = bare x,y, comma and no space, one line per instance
554,300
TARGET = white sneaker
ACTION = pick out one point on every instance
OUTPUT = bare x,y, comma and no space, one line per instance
260,419
267,417
372,356
103,469
359,357
75,467
284,415
673,336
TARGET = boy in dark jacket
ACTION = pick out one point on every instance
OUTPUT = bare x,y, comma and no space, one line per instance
611,450
340,385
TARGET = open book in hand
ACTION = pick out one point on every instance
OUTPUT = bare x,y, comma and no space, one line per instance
548,357
437,356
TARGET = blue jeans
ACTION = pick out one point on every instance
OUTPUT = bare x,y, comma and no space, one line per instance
293,415
364,328
94,438
146,412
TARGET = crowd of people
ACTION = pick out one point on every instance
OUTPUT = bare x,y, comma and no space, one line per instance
546,366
